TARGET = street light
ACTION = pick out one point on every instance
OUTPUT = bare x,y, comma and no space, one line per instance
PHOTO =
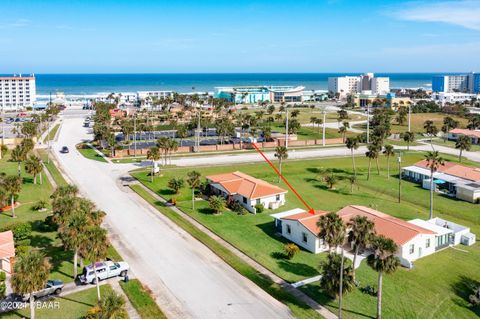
399,161
286,126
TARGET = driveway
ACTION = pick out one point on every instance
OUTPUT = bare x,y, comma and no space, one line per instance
188,280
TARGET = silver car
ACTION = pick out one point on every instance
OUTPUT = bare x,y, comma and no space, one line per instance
52,287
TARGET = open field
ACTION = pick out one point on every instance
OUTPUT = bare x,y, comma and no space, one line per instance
417,120
75,305
444,287
142,300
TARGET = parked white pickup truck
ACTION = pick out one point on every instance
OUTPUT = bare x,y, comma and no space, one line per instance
105,270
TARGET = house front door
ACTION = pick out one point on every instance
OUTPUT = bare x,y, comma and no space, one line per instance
419,252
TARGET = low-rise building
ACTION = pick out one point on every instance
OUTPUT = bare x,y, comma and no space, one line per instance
7,251
256,94
473,134
453,97
247,190
453,179
415,239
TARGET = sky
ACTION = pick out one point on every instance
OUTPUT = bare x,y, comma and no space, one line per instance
216,36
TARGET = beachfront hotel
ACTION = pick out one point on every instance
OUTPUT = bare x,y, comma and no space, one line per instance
17,92
365,84
256,94
465,83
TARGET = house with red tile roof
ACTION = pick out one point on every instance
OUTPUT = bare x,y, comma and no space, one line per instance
473,134
456,180
7,251
413,240
247,190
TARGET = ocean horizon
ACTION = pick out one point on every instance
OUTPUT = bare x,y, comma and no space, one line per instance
93,84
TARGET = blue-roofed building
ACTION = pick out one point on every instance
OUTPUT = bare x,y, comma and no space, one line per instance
256,94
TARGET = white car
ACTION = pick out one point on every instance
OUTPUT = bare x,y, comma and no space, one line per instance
105,270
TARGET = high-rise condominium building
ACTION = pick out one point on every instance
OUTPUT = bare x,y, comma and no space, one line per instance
17,92
366,83
465,83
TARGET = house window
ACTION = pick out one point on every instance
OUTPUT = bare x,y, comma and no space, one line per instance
289,229
258,201
277,198
304,237
412,248
427,244
244,200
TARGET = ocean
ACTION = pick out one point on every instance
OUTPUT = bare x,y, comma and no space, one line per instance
93,84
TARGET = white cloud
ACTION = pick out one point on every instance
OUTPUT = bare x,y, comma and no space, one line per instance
19,23
465,13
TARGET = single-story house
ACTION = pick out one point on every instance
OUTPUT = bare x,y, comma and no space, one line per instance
247,190
459,234
413,241
473,134
7,251
453,179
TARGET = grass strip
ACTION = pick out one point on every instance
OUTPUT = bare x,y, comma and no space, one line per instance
298,308
142,300
51,135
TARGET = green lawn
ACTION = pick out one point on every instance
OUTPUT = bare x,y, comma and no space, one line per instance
75,305
378,193
418,119
142,300
90,153
441,142
50,136
310,133
56,175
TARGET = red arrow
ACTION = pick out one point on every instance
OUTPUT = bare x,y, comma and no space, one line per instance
310,209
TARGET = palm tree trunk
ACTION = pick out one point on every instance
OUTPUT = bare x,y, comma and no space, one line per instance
460,156
431,195
354,260
353,162
18,168
376,163
75,259
153,171
12,201
41,178
193,198
388,167
81,262
408,146
32,306
379,295
369,165
35,179
96,282
340,296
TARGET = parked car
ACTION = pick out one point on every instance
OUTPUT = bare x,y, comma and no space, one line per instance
105,270
52,287
64,150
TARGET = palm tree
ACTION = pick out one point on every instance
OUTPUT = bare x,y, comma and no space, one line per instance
408,137
72,235
176,184
352,144
434,161
13,186
353,181
30,274
332,232
162,144
318,122
463,143
18,154
112,306
330,274
343,129
360,234
217,204
33,166
372,153
430,129
281,153
383,260
95,249
154,155
193,180
388,151
331,180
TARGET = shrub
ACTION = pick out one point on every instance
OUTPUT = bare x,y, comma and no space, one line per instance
217,204
20,250
176,184
48,225
3,289
235,206
259,208
40,205
291,250
475,297
21,231
3,276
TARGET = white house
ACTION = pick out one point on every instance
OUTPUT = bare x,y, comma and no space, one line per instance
459,234
247,190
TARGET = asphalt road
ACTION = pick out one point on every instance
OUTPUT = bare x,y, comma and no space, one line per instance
188,280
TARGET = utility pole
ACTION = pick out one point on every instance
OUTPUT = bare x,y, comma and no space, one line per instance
3,131
135,135
399,160
286,127
409,114
368,122
198,131
323,126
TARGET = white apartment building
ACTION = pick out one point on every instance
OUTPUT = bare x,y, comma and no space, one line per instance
154,94
17,92
366,84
